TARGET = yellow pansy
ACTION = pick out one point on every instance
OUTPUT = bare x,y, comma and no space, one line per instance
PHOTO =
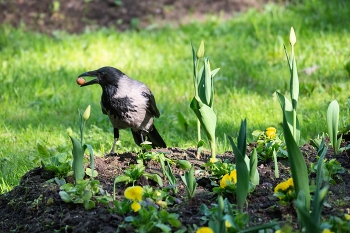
284,185
327,231
347,217
271,132
213,160
205,230
133,193
232,177
135,206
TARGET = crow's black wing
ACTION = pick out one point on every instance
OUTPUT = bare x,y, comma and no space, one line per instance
151,104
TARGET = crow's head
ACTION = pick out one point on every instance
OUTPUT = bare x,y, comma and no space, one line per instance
103,76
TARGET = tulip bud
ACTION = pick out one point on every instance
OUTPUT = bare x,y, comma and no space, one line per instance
292,37
86,114
200,51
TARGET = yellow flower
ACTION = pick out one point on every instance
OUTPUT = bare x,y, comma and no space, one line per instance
135,206
278,231
227,224
327,231
223,181
213,160
271,132
284,185
205,230
133,193
347,217
232,177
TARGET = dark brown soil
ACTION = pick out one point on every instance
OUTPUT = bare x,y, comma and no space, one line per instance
76,16
35,205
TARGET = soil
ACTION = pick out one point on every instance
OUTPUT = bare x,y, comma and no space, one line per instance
75,16
35,205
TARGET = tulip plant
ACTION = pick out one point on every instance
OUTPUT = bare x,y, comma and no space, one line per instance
202,102
289,108
79,148
332,124
246,168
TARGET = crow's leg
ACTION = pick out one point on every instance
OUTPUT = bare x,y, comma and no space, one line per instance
116,137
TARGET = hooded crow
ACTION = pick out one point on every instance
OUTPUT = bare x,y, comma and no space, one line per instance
128,103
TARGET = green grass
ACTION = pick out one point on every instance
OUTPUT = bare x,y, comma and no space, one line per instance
39,99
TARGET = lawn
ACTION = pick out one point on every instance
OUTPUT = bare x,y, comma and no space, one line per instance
40,99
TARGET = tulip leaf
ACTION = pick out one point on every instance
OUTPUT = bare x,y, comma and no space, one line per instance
303,213
332,124
241,165
194,56
184,164
297,163
320,194
92,160
294,84
206,116
78,156
254,174
289,113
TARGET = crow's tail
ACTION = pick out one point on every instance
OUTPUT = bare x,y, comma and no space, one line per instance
153,136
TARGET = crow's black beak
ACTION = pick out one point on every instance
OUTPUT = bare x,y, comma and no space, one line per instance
89,74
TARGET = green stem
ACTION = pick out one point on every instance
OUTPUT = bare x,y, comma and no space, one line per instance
199,130
82,132
213,147
196,94
295,125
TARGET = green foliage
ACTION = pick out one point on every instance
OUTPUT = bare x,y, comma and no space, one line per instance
267,145
135,172
202,102
331,169
81,193
169,174
60,163
289,108
297,164
79,148
161,197
311,221
222,217
337,224
241,165
291,130
332,124
219,169
190,181
149,219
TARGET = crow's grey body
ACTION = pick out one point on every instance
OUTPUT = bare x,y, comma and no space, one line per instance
128,103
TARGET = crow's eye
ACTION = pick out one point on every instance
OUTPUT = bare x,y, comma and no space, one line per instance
103,74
